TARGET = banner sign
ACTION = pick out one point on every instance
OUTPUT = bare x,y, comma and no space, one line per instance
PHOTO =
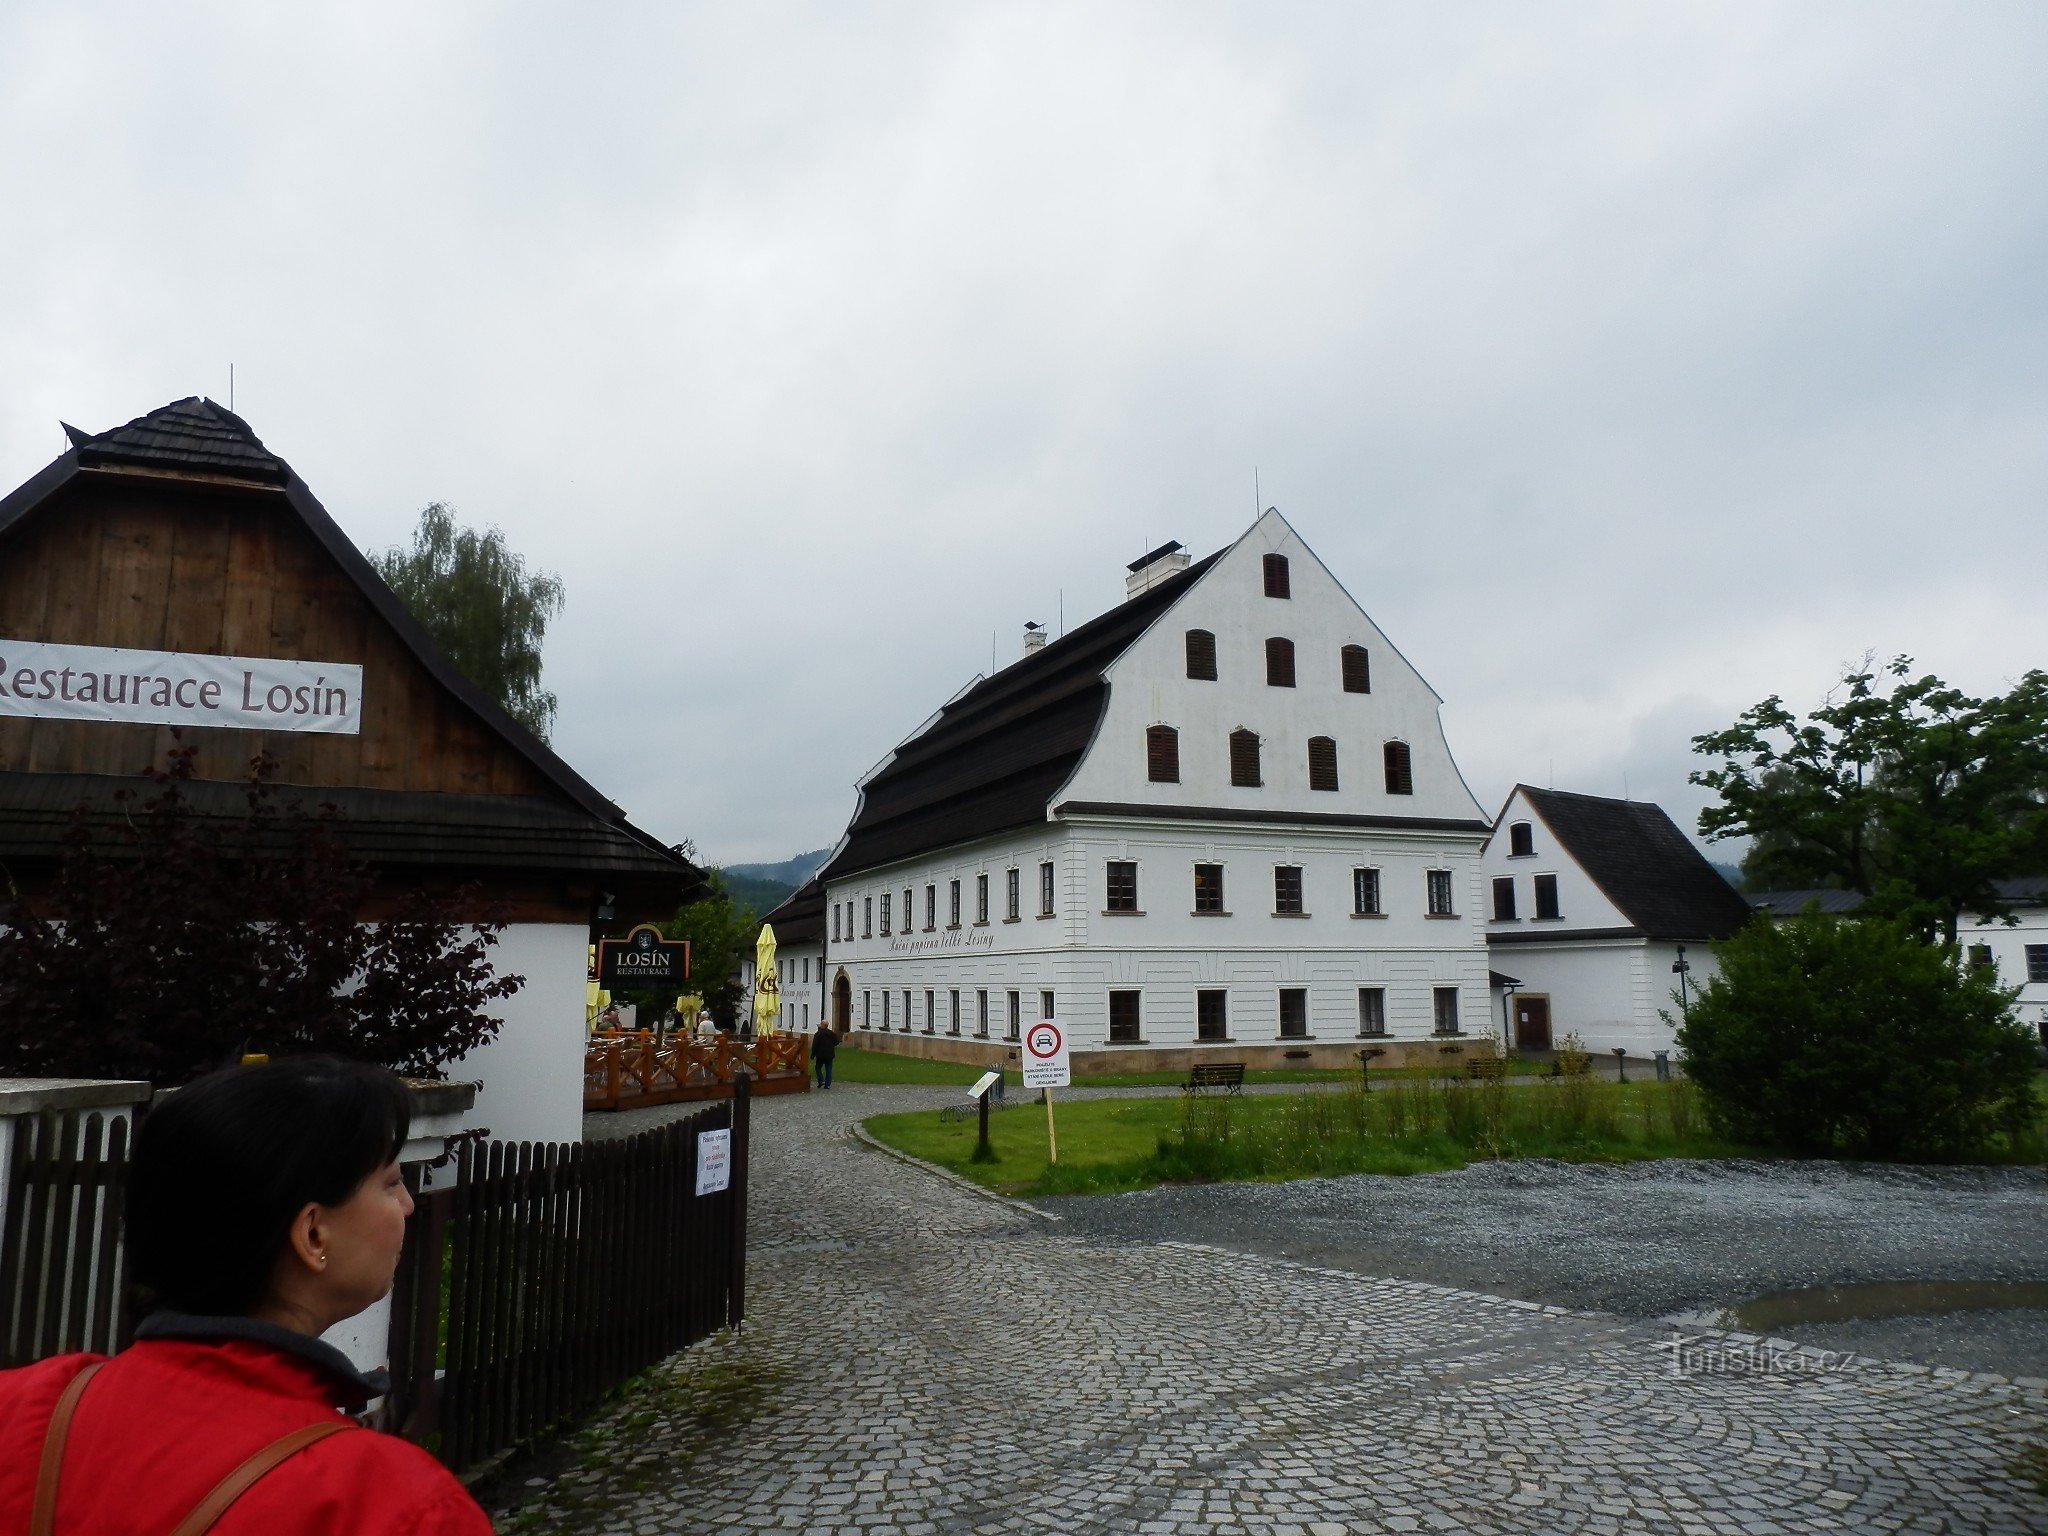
87,682
643,958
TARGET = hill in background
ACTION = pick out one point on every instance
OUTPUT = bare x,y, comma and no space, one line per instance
762,886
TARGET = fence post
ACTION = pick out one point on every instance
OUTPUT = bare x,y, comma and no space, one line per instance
736,1283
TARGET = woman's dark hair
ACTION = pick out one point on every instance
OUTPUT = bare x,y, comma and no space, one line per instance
222,1166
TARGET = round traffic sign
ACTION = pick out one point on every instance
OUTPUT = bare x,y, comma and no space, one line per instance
1043,1041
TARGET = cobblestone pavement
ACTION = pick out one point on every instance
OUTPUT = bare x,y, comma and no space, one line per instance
922,1359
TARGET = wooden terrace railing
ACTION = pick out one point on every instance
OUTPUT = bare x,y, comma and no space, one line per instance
632,1072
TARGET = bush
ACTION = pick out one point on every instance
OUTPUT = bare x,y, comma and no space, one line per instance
181,941
1850,1037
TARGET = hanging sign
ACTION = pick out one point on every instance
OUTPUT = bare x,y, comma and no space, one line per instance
86,682
643,958
714,1161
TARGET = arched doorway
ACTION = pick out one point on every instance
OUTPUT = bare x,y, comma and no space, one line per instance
842,1003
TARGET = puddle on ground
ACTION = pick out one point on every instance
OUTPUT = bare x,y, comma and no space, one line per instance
1882,1298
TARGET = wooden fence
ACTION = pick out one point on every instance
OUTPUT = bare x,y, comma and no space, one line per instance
547,1274
540,1278
63,1267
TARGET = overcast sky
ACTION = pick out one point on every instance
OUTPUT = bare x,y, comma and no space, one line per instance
1628,363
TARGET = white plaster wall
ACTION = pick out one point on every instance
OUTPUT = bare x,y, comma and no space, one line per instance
2008,948
532,1073
1168,951
1149,686
1609,992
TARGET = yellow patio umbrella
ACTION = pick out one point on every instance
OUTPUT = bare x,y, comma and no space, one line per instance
767,996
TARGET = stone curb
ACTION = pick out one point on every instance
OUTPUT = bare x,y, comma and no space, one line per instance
861,1134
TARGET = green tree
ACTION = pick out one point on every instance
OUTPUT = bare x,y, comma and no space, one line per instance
1917,795
1852,1038
721,932
477,600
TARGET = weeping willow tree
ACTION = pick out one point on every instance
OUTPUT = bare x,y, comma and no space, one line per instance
482,606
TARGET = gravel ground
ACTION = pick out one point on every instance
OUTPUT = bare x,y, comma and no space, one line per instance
1648,1239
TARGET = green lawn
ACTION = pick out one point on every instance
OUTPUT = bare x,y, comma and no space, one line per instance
854,1065
1119,1144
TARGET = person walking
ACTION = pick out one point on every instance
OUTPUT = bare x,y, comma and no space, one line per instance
824,1046
265,1205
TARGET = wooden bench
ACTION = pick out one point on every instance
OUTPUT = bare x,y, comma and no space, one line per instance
1226,1075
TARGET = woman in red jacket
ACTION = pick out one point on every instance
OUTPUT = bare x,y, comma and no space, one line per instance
264,1206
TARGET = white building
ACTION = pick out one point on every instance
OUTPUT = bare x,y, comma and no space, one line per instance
1221,818
1591,902
799,924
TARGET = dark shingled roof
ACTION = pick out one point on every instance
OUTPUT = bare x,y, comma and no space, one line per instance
1645,865
190,434
1792,903
800,917
2023,891
996,755
198,437
381,827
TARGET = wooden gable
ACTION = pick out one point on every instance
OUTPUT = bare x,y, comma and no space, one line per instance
149,561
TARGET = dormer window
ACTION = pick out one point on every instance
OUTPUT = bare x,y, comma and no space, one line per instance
1202,655
1357,669
1279,663
1276,576
1521,840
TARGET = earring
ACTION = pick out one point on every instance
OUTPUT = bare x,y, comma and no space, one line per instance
323,1261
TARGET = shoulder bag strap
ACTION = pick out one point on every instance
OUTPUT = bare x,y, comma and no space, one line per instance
239,1481
43,1513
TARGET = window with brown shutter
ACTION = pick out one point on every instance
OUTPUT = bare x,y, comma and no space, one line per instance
1400,777
1276,576
1202,655
1244,759
1162,754
1357,669
1279,663
1322,762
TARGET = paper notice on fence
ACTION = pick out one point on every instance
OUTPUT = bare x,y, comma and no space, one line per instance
714,1161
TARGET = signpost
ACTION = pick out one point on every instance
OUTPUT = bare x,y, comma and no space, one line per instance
1046,1066
982,1151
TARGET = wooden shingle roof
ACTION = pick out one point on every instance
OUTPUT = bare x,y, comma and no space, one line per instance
995,756
1649,869
799,918
193,435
